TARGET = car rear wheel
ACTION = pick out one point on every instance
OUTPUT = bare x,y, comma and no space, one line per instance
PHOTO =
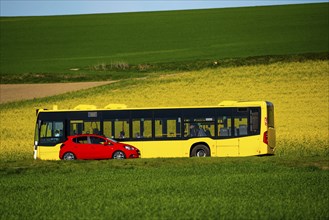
118,155
69,156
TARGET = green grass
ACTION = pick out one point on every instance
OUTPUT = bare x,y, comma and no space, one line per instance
33,46
108,71
206,188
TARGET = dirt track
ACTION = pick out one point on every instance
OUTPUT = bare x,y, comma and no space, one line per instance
16,92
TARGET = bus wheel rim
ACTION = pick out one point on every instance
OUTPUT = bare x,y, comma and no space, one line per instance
201,153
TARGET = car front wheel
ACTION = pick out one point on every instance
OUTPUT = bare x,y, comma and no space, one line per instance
118,155
69,156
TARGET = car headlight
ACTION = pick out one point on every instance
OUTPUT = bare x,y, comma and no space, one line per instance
129,148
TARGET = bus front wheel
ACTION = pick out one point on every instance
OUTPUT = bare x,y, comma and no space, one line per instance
200,150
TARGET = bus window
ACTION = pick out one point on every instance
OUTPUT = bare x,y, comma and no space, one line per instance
51,132
92,127
84,127
76,127
254,121
167,128
224,126
199,127
121,129
270,115
240,126
107,129
142,128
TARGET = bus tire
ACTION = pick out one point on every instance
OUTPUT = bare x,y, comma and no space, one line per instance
200,150
69,156
118,155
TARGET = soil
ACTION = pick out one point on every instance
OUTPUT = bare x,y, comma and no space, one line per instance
17,92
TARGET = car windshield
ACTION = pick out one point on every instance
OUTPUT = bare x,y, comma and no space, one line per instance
112,140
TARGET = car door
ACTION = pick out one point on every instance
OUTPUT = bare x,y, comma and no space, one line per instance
82,148
99,148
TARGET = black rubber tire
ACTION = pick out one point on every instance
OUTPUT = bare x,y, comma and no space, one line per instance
69,156
200,150
118,155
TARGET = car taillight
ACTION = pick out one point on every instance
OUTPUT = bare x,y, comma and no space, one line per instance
265,137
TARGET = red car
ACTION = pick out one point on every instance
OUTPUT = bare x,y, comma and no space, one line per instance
91,146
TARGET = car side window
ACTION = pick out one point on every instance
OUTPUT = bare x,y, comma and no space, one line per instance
97,140
80,140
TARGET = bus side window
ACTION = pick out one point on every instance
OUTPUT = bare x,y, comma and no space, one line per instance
161,128
240,126
167,128
254,121
142,128
121,129
92,127
224,126
199,127
107,129
76,127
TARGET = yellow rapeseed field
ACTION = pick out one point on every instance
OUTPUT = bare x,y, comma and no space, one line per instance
299,91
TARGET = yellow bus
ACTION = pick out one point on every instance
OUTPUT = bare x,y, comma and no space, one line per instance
233,128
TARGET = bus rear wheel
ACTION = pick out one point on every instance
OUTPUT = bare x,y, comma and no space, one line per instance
200,150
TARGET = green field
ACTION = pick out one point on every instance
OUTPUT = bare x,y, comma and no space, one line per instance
210,188
37,47
277,53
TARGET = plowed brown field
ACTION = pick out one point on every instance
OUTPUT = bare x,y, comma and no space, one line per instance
16,92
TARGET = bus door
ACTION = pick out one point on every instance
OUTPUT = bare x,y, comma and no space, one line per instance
240,129
49,137
247,128
227,144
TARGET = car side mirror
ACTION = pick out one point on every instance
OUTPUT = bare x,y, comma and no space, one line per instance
106,143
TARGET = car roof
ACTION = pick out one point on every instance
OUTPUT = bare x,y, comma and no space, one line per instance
85,135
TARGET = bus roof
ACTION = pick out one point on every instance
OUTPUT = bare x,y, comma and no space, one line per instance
83,107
